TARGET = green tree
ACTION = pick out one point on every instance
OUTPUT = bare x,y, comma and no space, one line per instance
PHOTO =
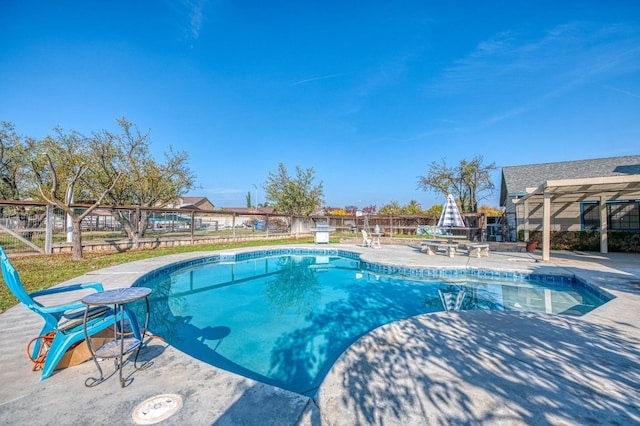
14,182
413,207
298,196
469,181
393,208
435,210
248,199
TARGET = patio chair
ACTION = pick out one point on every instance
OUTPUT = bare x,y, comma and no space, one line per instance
366,241
65,322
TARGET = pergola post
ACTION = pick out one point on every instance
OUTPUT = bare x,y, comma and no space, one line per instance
546,225
604,224
526,220
568,191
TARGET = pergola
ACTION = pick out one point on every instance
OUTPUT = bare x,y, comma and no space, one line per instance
564,191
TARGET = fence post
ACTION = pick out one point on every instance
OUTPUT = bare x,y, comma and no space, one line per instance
193,226
266,219
290,225
48,232
233,227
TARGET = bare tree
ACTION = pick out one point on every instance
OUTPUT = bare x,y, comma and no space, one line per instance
67,168
145,181
370,209
469,181
61,163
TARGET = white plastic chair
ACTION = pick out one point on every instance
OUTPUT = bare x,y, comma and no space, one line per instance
365,238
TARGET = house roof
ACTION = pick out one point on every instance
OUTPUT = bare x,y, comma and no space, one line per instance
571,190
516,179
194,202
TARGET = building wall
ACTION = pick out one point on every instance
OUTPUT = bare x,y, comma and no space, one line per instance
565,216
206,205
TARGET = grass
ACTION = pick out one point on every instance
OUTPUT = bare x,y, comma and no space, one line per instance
40,272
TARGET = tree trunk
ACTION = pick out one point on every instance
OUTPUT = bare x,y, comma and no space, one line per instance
77,238
141,225
127,223
134,225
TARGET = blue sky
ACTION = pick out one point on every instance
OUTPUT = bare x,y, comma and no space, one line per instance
368,93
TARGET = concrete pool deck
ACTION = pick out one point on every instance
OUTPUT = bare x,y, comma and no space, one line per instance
472,367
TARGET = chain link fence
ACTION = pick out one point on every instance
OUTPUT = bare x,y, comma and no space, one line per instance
28,227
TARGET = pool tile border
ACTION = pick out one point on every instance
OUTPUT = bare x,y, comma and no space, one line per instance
566,280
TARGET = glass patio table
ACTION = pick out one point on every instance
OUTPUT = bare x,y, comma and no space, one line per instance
122,343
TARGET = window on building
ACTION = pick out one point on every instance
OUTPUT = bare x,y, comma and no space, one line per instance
623,215
590,216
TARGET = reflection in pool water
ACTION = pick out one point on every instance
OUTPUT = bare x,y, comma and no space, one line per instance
284,320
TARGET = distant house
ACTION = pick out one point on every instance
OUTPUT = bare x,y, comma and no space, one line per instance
600,194
200,203
237,216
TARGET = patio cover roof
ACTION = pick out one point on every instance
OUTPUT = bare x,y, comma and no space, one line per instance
517,179
572,190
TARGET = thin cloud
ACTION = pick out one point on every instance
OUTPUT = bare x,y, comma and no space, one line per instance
518,66
194,10
624,92
196,17
324,77
606,64
505,115
511,60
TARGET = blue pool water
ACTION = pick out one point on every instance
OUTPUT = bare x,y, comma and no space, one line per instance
285,319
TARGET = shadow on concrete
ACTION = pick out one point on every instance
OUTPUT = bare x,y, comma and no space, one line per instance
257,407
488,367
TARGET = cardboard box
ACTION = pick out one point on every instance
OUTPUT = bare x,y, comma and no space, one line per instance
80,353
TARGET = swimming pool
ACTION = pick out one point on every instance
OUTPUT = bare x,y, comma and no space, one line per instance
284,316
